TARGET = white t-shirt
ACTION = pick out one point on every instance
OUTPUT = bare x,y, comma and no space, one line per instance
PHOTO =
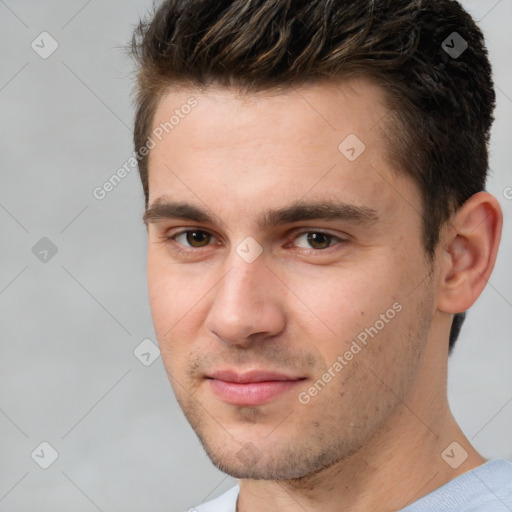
224,503
487,488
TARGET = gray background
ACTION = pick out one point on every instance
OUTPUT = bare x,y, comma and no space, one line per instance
69,325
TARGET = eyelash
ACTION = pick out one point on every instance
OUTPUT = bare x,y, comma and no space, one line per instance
170,241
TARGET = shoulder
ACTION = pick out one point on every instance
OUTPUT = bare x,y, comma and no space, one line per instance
487,488
495,480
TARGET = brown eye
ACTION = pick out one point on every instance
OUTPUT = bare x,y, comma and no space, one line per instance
197,238
319,240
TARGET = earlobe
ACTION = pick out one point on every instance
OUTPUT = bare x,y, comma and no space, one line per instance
469,249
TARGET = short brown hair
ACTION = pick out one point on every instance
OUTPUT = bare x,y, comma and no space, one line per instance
442,101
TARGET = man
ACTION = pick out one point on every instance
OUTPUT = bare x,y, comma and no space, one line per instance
314,179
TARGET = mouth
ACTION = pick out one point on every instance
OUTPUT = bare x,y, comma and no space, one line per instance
255,387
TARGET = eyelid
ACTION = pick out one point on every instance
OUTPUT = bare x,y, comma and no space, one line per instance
171,238
301,231
338,240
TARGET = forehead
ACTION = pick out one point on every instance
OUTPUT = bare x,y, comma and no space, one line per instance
308,112
319,140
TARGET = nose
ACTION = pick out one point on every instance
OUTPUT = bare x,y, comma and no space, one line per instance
247,305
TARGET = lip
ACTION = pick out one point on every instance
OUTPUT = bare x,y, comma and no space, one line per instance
255,387
250,376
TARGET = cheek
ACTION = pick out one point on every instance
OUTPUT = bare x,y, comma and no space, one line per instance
171,303
343,301
360,315
171,295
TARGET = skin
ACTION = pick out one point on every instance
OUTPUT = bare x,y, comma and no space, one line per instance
373,437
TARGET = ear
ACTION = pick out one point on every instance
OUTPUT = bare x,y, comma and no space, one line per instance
468,246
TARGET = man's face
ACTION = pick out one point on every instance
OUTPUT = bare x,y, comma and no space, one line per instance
321,314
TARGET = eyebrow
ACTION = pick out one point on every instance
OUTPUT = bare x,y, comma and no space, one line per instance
296,212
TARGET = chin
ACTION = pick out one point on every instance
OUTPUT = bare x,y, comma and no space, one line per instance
289,462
